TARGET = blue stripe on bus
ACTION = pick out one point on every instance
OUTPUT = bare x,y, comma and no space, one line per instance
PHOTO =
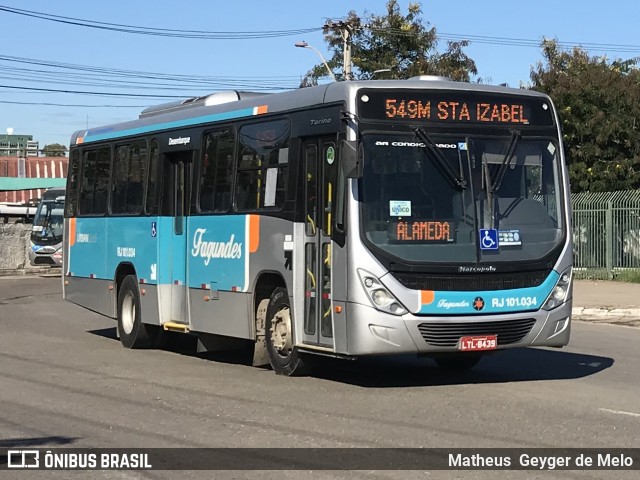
491,301
97,135
213,249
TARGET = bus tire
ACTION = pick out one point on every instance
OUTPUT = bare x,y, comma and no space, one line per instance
461,361
283,355
133,333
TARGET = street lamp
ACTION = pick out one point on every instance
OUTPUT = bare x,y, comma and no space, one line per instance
304,44
382,70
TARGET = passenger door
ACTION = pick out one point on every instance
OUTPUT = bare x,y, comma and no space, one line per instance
320,175
173,248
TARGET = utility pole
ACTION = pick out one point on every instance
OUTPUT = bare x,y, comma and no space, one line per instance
346,31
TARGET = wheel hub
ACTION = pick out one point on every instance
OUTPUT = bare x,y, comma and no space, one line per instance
128,313
281,332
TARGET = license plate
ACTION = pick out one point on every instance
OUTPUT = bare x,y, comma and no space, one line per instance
475,344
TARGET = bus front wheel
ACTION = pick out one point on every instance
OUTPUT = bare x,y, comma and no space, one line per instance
133,333
283,355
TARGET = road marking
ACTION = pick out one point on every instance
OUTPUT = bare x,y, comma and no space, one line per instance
620,412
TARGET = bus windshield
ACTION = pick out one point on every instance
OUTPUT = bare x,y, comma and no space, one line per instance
462,199
48,222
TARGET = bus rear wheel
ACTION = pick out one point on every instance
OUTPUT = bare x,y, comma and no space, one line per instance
283,355
461,361
133,333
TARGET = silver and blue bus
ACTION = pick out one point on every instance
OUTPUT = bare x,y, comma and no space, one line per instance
47,229
358,218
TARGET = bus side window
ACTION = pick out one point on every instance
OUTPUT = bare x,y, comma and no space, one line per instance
71,205
129,165
263,165
216,171
153,186
94,188
137,174
120,179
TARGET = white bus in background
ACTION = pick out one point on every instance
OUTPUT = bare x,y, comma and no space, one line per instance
46,233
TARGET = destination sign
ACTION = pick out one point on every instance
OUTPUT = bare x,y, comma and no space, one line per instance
421,231
443,106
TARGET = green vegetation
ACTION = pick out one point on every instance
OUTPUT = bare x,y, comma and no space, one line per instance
598,102
402,43
631,275
54,150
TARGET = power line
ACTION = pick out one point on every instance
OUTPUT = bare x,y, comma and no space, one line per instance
117,74
110,79
78,92
49,104
162,32
513,42
245,35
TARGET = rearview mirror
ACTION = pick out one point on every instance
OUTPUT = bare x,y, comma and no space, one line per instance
350,159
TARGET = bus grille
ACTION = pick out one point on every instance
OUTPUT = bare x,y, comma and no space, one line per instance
44,261
468,283
447,334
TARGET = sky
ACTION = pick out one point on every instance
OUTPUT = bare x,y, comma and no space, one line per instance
251,64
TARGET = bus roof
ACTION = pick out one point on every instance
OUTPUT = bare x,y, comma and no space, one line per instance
196,111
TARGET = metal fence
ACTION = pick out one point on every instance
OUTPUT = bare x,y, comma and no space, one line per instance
606,234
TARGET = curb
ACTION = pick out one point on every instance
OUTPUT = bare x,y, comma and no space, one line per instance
605,312
29,272
617,316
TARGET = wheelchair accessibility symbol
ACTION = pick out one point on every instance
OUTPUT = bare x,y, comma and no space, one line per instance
488,239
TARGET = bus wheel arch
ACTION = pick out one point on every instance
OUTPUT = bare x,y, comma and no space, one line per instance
284,357
264,286
132,332
274,326
124,269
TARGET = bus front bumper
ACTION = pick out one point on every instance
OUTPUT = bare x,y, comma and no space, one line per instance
371,332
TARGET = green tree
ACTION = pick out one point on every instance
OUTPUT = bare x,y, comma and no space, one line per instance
598,103
54,150
402,43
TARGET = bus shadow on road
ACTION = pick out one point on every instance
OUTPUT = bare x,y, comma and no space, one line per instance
185,345
52,441
516,365
513,365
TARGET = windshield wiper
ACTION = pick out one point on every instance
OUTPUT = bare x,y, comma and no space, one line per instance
442,162
506,161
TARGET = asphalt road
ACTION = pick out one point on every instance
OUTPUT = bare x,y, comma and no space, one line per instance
65,381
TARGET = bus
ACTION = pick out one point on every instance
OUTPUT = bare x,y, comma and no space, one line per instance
46,232
353,219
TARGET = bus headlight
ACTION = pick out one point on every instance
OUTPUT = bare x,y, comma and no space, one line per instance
559,293
381,298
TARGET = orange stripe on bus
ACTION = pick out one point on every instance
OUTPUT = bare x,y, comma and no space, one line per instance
262,109
427,296
72,232
254,233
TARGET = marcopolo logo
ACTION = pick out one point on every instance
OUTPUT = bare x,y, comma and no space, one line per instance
400,208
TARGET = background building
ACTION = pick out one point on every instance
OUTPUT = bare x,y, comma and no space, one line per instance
18,146
30,167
